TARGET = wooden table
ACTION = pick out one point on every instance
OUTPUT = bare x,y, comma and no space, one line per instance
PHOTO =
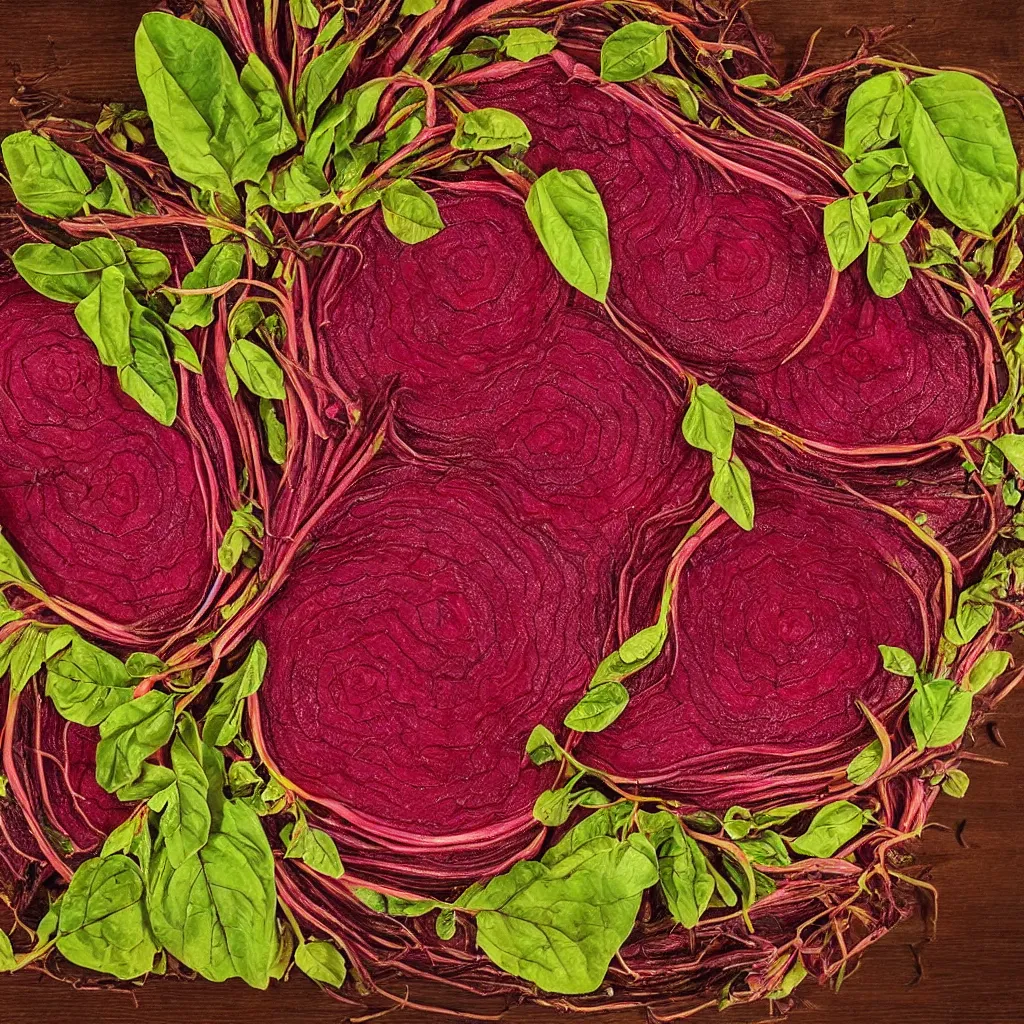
973,972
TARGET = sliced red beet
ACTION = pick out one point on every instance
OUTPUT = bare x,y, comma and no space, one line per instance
103,502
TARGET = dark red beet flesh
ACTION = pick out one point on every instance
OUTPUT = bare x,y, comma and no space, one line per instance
103,502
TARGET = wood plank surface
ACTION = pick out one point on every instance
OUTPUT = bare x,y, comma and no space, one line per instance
973,971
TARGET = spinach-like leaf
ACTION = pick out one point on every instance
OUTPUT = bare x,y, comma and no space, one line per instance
847,227
257,369
989,666
559,924
272,127
111,194
872,113
490,128
410,214
305,13
632,51
7,961
833,826
790,980
417,7
224,716
61,274
898,661
129,734
955,136
149,378
709,423
215,912
44,178
26,654
103,315
86,683
103,924
221,264
320,78
686,882
888,269
681,91
878,170
541,746
313,847
598,708
523,44
321,961
184,811
938,713
865,764
730,488
274,429
566,211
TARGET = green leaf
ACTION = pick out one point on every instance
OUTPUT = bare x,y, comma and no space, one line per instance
891,229
224,716
898,661
129,734
876,171
61,274
105,318
445,925
26,656
184,811
559,924
215,913
149,378
321,961
888,269
208,127
274,429
523,44
865,764
410,214
111,194
955,783
831,828
938,713
7,961
566,211
490,128
86,684
121,839
45,179
103,924
709,423
320,78
541,746
988,667
330,31
272,128
152,779
1012,447
149,267
955,136
730,488
417,7
872,113
598,708
791,979
766,849
634,50
305,13
221,264
313,847
681,91
257,369
847,227
553,806
685,880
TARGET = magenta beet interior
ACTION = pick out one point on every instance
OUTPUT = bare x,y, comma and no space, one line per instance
103,501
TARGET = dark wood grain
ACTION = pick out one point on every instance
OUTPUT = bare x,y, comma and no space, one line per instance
973,971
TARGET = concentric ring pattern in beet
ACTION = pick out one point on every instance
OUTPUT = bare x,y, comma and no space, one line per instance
104,502
729,275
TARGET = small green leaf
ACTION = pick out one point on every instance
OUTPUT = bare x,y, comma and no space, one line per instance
305,13
224,716
490,128
888,269
1012,447
221,264
760,81
523,44
331,30
541,746
872,113
445,924
681,91
568,215
988,667
898,661
865,764
955,783
891,229
847,227
86,683
938,713
149,378
185,814
257,369
831,828
111,194
417,7
129,734
553,806
634,50
730,489
274,430
410,214
598,708
791,979
7,961
26,656
876,171
320,78
321,961
44,178
709,423
105,318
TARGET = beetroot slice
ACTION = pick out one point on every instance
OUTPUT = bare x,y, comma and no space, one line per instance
415,650
102,501
774,634
730,277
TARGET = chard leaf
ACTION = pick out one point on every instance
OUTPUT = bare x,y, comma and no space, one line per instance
790,980
490,128
560,924
955,783
832,827
131,733
44,178
938,713
872,113
257,369
709,423
847,227
410,214
523,44
86,684
102,923
634,50
61,274
955,136
598,708
322,962
215,912
7,961
568,215
313,847
730,489
331,30
686,882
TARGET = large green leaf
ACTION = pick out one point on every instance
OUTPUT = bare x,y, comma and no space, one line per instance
847,227
44,178
104,316
410,214
566,211
129,734
184,811
709,423
938,713
320,78
322,962
831,828
872,113
632,51
490,128
86,683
